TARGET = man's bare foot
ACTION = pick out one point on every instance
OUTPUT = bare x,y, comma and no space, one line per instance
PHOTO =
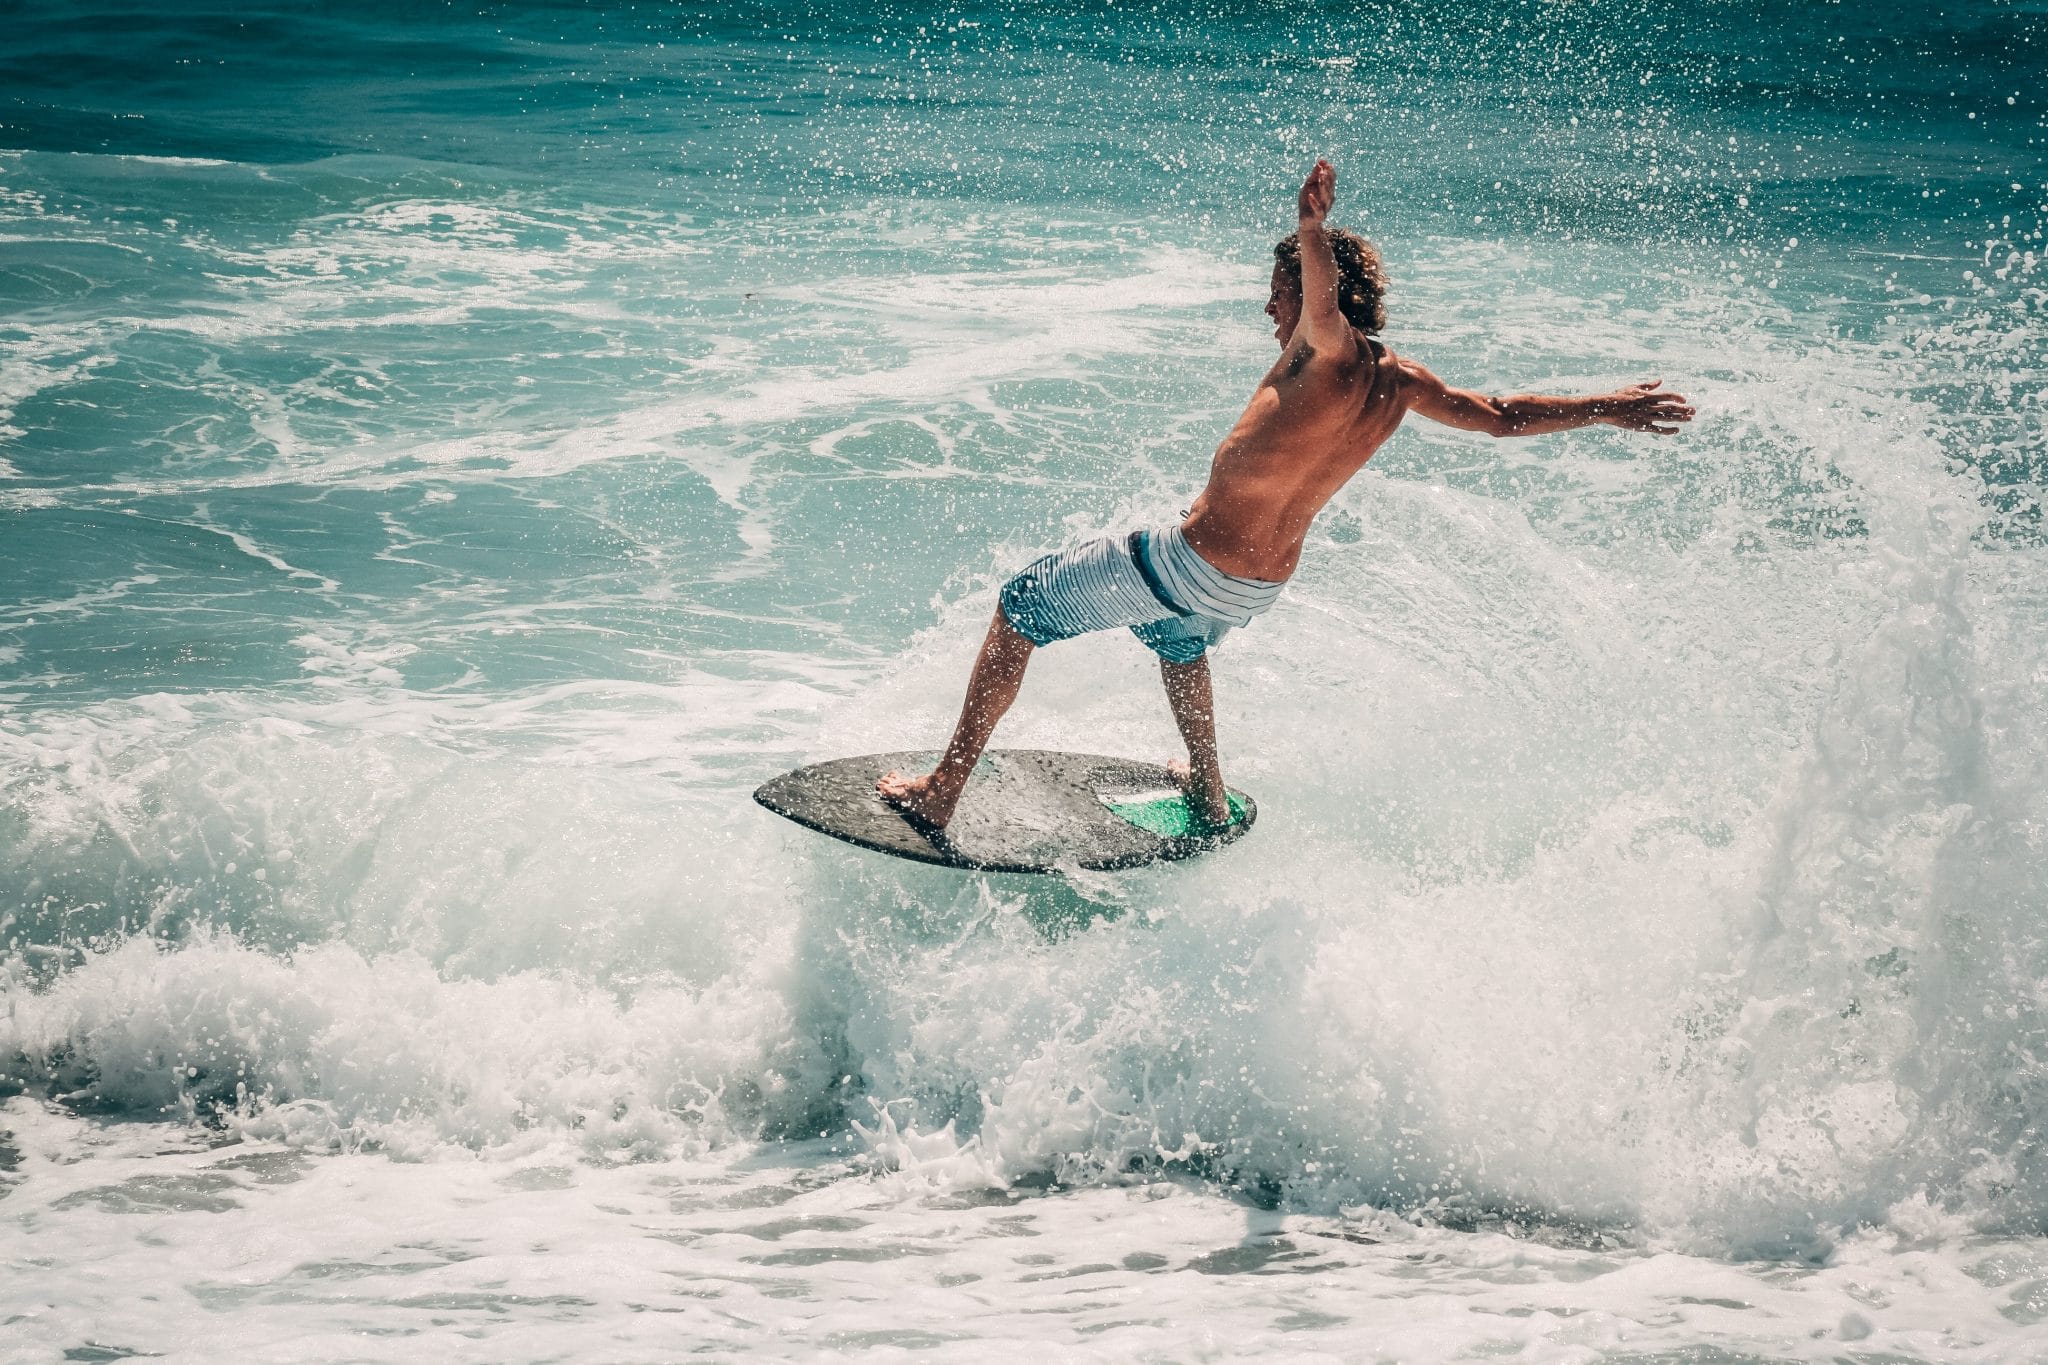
922,800
1209,803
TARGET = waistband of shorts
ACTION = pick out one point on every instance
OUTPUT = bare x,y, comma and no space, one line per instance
1192,586
1140,552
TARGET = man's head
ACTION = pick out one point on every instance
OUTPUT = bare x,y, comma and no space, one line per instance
1361,283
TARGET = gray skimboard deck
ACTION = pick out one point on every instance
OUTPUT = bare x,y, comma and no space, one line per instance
1025,810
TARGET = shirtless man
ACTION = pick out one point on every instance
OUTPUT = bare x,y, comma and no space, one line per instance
1332,399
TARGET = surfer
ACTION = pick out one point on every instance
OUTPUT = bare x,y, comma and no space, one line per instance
1332,399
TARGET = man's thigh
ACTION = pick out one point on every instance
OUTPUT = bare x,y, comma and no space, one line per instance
1087,587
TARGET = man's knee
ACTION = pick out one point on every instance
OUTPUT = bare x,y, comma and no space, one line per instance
1004,635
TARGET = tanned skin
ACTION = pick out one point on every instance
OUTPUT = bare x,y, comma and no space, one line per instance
1331,400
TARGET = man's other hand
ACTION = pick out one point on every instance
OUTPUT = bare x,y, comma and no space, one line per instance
1318,192
1639,407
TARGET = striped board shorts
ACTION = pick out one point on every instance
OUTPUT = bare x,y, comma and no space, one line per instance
1171,598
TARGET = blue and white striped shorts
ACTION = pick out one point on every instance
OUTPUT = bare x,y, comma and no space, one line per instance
1172,599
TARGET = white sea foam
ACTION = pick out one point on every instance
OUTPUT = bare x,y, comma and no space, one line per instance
48,358
784,1252
146,160
331,1050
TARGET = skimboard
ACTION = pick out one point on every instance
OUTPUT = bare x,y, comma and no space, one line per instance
1024,810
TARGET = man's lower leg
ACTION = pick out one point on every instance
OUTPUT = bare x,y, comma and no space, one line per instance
991,688
1190,694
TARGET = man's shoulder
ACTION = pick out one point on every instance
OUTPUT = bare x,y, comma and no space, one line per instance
1411,374
1366,359
1374,353
1366,353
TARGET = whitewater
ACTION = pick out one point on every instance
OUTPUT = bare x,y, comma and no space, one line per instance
446,462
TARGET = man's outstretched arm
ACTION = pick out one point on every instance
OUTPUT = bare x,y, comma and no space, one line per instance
1638,407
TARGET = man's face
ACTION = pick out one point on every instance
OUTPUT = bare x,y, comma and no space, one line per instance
1284,307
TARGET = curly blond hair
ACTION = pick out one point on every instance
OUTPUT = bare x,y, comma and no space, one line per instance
1361,275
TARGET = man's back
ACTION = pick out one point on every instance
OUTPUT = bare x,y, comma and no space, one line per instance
1316,418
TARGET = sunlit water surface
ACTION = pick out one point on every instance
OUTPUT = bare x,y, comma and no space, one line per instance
448,458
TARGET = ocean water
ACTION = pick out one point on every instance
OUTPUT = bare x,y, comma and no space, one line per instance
450,454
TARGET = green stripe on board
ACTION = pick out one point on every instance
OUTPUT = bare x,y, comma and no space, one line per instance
1168,816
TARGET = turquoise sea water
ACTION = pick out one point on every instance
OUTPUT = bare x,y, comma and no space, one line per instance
450,454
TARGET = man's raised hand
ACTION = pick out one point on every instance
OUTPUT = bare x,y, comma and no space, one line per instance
1642,407
1318,192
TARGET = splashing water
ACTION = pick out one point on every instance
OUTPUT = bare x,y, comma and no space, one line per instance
446,468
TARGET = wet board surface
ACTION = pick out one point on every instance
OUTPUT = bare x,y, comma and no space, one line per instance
1025,810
